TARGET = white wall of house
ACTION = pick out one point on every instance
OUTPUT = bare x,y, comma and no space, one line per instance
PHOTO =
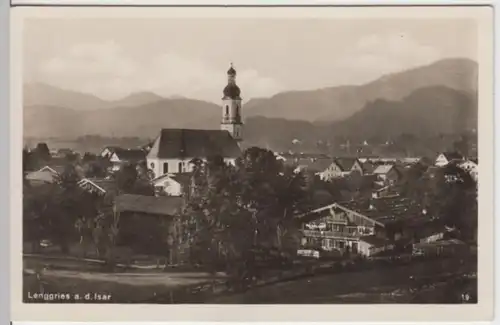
168,186
471,167
364,248
174,165
333,171
357,168
441,161
368,250
116,163
105,152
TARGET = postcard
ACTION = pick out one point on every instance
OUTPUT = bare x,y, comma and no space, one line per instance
252,163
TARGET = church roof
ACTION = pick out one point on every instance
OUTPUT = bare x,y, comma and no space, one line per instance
190,143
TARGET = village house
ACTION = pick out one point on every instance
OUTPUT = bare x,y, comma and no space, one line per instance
471,167
368,167
388,190
172,184
51,173
108,151
63,152
441,248
46,174
99,186
387,174
149,224
120,157
445,158
312,165
341,167
370,246
366,226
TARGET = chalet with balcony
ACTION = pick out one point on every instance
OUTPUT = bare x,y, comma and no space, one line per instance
365,226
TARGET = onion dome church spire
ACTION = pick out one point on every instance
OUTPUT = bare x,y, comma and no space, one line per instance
231,91
231,106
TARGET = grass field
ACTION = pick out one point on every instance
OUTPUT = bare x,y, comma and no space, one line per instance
389,285
384,284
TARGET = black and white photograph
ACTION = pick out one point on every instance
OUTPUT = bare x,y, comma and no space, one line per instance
250,159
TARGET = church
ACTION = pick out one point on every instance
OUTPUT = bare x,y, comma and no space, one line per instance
173,149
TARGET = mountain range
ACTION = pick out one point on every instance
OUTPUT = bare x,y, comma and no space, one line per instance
436,98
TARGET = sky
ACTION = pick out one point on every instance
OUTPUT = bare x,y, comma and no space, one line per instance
112,58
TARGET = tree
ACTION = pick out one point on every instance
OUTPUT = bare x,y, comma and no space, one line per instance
42,151
71,157
463,145
411,182
129,181
452,197
126,178
238,212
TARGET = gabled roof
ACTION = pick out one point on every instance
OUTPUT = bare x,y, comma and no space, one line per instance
181,178
314,164
130,155
101,184
387,209
383,169
441,243
368,167
452,155
162,205
375,241
43,176
55,169
112,148
345,164
189,143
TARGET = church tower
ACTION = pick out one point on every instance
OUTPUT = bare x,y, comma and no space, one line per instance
231,107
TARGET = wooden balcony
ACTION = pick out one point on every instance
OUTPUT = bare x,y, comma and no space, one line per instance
331,234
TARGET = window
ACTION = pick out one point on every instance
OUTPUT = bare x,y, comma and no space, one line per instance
227,109
165,167
152,165
181,166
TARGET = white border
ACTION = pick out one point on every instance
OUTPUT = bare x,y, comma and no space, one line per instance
482,311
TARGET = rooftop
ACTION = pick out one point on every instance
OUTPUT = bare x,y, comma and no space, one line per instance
102,184
345,164
383,169
375,241
387,209
130,155
191,143
163,205
452,155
